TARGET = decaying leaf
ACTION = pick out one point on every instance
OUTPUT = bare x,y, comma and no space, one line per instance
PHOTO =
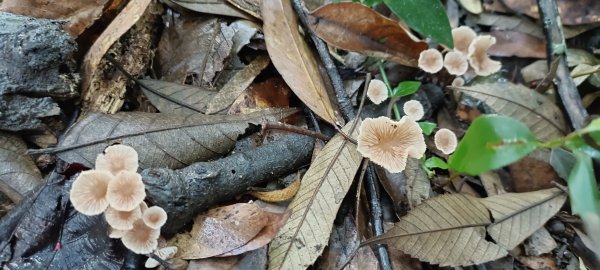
418,186
355,27
512,43
218,7
524,25
518,215
126,18
314,208
294,59
272,93
450,230
571,12
177,98
237,84
78,14
447,230
251,7
539,113
162,140
18,173
228,231
473,6
280,195
193,49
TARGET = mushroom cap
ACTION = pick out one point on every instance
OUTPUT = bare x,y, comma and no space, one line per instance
456,63
431,61
458,82
122,220
155,217
463,36
389,143
163,253
414,110
126,191
141,239
116,233
481,63
118,158
445,140
377,91
88,192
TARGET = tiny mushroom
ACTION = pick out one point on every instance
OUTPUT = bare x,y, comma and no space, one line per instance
116,233
389,143
377,91
118,158
456,63
122,220
126,191
155,217
163,253
414,110
431,61
458,82
445,140
141,239
480,61
463,36
88,193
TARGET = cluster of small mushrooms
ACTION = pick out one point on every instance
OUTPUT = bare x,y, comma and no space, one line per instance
390,143
469,50
116,189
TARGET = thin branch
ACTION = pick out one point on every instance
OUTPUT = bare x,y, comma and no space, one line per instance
556,47
291,128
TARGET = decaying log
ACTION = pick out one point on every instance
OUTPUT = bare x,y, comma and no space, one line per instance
186,192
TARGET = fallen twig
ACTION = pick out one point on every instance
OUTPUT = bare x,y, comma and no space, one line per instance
294,129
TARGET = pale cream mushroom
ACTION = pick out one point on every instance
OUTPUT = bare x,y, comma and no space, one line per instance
377,91
141,239
431,61
456,63
480,61
463,36
445,140
126,191
118,158
414,110
88,192
122,220
154,217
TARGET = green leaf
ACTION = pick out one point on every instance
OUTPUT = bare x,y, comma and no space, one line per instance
427,17
492,142
406,88
587,143
427,127
436,162
583,189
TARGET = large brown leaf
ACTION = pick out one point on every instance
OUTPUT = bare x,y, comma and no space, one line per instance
539,113
518,215
18,173
324,186
355,27
162,140
218,7
176,98
294,59
571,12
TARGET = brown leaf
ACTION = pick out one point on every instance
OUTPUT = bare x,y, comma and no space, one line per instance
78,14
314,208
295,60
176,98
518,215
447,230
162,140
237,84
256,259
355,27
280,195
512,43
533,172
225,229
18,173
526,26
272,93
217,7
536,111
251,7
571,12
127,18
193,49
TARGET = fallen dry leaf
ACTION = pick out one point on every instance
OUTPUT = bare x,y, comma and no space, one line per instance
162,140
230,230
536,111
256,259
518,215
571,12
176,98
251,7
512,43
355,27
217,7
193,49
130,14
314,208
295,60
78,14
236,85
280,195
539,243
272,93
533,172
18,173
526,26
473,6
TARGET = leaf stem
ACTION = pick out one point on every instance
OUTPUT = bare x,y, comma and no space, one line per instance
387,83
